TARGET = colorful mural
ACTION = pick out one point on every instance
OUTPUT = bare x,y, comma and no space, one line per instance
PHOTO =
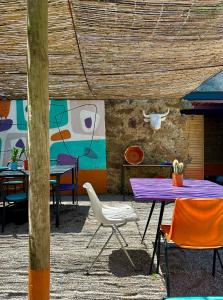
77,129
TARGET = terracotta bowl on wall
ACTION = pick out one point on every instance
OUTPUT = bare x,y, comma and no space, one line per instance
134,155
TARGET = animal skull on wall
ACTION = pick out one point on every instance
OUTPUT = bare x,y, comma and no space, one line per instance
155,119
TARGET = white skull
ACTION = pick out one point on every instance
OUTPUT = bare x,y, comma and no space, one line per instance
155,119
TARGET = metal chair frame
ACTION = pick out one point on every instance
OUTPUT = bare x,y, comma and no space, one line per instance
167,247
117,233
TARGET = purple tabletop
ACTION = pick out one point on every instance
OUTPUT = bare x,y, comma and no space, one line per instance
162,189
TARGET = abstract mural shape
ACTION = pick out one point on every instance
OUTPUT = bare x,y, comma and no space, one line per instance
4,108
64,159
62,135
79,124
89,120
5,124
90,153
20,144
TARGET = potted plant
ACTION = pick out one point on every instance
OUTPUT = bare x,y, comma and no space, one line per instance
25,161
177,175
14,158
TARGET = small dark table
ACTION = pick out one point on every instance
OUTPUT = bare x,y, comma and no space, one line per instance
126,166
57,171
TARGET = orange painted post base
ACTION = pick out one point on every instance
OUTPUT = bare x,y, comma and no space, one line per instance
39,284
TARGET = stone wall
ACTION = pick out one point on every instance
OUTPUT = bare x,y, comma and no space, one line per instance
125,127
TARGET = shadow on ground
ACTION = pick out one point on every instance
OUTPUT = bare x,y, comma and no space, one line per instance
120,266
72,219
191,272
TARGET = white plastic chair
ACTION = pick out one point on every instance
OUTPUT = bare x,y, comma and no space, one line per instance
110,216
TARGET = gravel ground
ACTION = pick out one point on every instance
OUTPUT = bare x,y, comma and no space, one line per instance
112,277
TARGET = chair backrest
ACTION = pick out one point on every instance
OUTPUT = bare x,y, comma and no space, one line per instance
197,223
95,202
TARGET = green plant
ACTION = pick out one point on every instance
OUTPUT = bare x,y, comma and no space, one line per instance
22,152
14,154
178,167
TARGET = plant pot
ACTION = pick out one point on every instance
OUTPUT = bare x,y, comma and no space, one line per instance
26,164
177,179
13,165
134,155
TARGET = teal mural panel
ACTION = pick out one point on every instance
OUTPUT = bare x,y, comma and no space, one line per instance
20,113
93,158
59,109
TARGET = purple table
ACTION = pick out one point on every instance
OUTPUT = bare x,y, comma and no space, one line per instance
159,190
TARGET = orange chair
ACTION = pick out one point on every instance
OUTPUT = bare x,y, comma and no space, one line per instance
196,224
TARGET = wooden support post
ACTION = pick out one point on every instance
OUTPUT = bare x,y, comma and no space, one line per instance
38,143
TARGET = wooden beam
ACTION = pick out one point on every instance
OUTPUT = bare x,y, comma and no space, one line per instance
38,143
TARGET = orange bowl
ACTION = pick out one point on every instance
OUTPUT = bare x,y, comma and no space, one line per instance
134,155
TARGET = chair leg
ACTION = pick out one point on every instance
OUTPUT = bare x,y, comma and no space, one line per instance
102,249
219,259
147,224
214,262
123,248
53,198
3,216
167,270
76,196
158,253
126,244
93,236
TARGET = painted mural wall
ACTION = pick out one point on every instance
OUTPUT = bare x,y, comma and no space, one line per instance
77,129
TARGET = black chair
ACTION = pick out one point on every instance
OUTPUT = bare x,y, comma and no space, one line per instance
67,186
14,200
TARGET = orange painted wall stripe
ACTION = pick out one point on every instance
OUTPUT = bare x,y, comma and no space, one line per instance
4,108
39,284
98,178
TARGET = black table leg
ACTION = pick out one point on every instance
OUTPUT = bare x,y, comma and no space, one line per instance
73,186
147,224
157,236
57,200
123,182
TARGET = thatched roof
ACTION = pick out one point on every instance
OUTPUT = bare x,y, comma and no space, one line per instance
131,49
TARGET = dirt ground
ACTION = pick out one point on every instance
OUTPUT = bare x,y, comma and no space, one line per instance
112,277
